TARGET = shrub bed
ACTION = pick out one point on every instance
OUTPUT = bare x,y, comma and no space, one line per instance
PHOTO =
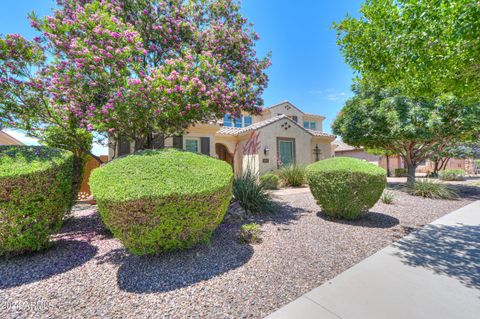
400,172
156,201
292,175
431,189
251,195
269,181
452,175
35,194
345,187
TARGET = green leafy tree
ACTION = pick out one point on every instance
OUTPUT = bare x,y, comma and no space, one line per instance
412,128
382,152
425,48
460,150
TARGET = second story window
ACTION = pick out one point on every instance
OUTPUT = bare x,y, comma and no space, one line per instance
238,121
227,120
310,125
247,121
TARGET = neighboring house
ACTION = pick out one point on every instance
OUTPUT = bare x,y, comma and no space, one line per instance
281,135
6,139
340,148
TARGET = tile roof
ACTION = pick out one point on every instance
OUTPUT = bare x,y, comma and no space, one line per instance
344,147
255,126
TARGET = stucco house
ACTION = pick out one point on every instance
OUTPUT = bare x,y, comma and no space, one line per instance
283,134
6,139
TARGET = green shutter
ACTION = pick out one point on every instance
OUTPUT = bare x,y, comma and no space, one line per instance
205,145
178,142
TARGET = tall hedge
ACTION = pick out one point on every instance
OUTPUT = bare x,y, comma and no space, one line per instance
35,194
156,201
345,187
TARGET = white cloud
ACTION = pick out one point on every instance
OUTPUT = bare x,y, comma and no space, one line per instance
319,92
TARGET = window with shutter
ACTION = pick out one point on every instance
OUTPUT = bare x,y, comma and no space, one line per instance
205,145
178,142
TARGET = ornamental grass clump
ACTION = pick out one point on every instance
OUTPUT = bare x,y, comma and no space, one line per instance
452,175
345,187
430,189
35,194
292,175
162,200
251,195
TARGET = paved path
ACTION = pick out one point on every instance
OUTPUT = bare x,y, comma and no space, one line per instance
432,273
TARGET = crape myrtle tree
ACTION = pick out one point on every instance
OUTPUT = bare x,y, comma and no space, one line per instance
463,150
128,68
426,48
415,129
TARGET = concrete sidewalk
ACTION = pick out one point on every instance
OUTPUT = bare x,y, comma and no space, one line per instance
433,273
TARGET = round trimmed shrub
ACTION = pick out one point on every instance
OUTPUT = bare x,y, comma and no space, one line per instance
345,187
35,194
159,200
269,181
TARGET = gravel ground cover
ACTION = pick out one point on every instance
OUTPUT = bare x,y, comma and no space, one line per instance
87,273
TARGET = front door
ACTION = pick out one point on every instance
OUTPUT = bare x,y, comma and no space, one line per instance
286,151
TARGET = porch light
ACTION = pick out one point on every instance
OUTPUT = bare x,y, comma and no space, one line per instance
266,150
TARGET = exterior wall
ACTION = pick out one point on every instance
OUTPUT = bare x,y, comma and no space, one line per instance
317,119
325,148
360,154
268,139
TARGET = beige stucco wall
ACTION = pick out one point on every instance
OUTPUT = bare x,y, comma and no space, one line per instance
360,154
268,138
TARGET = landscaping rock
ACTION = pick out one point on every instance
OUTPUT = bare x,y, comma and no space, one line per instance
235,214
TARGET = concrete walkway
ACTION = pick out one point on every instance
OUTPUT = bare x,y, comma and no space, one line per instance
432,273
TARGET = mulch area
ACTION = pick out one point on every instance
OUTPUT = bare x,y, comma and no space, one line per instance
87,273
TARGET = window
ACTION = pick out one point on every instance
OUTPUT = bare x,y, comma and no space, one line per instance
295,118
238,121
310,125
227,120
247,121
191,145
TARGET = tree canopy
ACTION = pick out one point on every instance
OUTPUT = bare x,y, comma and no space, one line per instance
425,48
127,68
413,128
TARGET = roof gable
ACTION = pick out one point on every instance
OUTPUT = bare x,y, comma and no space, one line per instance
286,104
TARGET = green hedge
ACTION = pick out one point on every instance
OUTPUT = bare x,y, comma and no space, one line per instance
35,194
345,187
452,175
401,172
269,181
156,201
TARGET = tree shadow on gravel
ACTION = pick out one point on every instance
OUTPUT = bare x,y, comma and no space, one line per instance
62,257
369,220
174,270
453,251
285,214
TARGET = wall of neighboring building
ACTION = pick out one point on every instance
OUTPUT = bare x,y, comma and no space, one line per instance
360,154
6,139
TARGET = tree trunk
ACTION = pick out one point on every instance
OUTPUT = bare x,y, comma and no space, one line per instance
388,166
411,174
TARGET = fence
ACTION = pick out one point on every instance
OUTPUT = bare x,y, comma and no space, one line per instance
90,165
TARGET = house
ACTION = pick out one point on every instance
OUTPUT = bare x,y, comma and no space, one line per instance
6,139
282,135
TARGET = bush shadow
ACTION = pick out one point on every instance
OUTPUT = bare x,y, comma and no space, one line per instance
284,214
174,270
453,251
368,220
62,257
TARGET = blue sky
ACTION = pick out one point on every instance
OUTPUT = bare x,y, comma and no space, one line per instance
308,69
